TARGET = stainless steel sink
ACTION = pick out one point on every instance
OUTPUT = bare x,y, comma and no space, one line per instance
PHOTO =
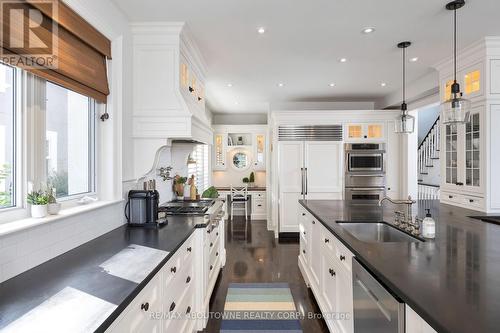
379,232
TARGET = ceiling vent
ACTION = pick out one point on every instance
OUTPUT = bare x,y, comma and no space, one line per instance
310,133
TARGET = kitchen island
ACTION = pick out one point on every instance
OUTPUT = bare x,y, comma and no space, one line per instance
128,272
451,282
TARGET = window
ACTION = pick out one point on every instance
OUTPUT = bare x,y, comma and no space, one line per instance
200,169
7,137
70,138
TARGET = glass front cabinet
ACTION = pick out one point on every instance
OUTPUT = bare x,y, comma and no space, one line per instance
259,152
365,132
463,150
219,153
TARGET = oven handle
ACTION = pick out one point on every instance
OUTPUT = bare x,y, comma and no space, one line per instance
354,175
373,189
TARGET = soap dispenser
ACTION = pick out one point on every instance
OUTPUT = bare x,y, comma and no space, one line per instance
429,226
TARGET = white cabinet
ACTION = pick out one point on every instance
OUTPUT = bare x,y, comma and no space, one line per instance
137,316
259,205
415,324
182,286
326,265
463,161
219,153
310,170
364,132
259,152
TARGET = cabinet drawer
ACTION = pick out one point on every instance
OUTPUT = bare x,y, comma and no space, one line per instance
343,254
259,196
138,315
473,202
328,241
451,198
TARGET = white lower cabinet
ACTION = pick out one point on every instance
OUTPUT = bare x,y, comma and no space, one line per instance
180,289
328,271
414,323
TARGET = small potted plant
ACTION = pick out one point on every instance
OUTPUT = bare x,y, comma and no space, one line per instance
252,179
246,180
38,201
179,183
53,206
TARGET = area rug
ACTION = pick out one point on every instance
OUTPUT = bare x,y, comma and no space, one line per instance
260,308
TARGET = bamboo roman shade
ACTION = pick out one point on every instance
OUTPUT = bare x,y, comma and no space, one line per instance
81,50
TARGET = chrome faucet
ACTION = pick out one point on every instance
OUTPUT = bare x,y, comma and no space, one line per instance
407,221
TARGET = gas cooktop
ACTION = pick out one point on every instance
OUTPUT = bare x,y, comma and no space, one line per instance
186,207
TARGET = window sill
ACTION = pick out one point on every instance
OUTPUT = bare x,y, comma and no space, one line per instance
27,223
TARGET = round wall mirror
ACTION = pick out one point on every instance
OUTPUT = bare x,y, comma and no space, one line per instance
241,161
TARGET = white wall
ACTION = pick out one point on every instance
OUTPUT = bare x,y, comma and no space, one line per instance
239,119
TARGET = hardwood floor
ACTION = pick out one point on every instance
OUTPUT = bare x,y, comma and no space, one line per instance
254,255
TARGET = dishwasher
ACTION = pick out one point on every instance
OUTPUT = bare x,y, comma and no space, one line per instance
375,309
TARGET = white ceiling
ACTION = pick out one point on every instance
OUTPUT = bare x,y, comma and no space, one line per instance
305,39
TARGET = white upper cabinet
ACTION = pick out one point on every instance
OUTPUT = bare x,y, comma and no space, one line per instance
259,151
364,132
219,152
468,161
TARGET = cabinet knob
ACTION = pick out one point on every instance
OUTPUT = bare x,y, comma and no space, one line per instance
304,251
259,205
188,279
216,254
188,311
471,201
199,99
172,306
342,257
314,222
145,306
190,249
450,197
304,233
211,244
303,214
332,272
211,267
216,234
327,240
173,269
191,89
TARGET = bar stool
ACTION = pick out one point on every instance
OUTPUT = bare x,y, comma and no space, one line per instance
239,196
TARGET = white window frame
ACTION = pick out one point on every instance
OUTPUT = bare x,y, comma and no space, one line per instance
71,200
29,146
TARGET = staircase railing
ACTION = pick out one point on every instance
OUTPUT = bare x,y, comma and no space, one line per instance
428,192
428,150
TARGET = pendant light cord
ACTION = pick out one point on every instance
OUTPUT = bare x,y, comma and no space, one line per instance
404,75
455,43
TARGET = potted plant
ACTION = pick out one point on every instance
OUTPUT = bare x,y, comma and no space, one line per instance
53,206
252,179
179,183
38,201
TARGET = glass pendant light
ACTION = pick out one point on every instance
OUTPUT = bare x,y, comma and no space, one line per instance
456,110
405,123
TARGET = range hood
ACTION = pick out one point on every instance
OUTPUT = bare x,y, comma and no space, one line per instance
168,79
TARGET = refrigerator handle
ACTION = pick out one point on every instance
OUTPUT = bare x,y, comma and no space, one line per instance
302,181
306,186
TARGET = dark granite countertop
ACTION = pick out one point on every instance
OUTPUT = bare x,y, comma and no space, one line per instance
452,282
77,273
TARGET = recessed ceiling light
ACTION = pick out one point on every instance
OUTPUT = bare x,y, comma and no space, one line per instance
236,103
229,85
343,59
261,30
281,85
414,59
383,84
368,30
332,84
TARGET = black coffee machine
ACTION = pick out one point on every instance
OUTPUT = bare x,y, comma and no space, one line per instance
142,208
